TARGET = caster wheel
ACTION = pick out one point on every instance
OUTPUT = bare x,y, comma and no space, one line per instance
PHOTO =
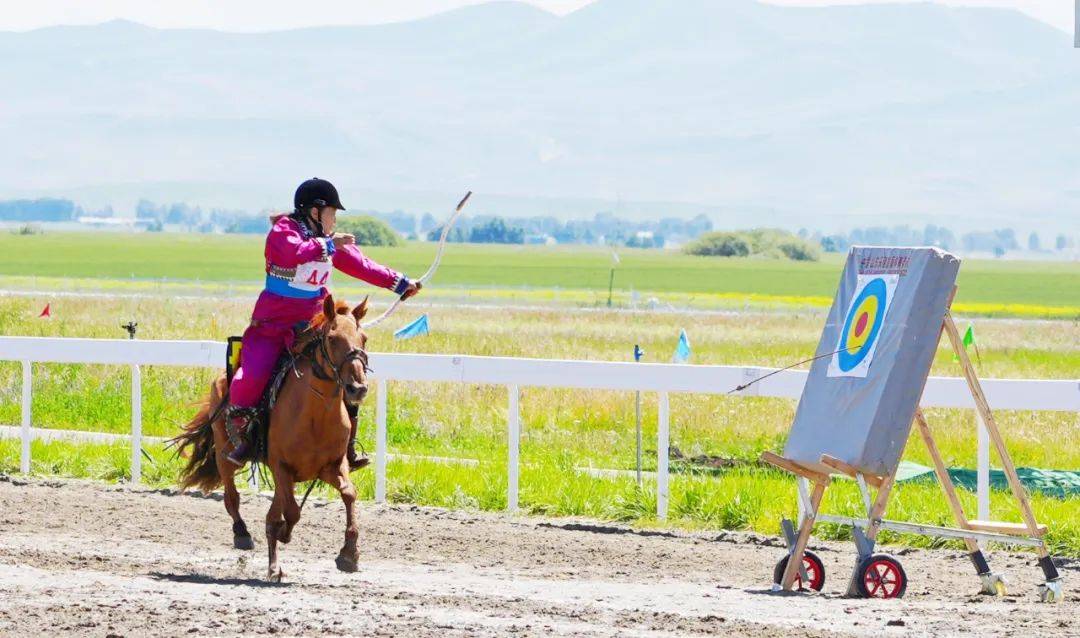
881,576
815,570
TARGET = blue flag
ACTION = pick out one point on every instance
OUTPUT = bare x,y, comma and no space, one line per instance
682,351
415,329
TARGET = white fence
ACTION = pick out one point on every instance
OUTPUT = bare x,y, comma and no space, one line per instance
513,373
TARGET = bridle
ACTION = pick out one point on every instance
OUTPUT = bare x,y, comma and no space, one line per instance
319,346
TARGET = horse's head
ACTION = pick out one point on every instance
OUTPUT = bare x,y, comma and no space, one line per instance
344,354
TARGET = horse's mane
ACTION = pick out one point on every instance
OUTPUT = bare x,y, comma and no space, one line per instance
340,308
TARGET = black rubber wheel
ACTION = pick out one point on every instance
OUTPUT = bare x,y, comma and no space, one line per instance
815,570
881,576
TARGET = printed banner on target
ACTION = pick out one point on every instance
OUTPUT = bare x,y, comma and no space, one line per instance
862,326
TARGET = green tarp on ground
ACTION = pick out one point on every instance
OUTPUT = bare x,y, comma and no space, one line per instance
1058,483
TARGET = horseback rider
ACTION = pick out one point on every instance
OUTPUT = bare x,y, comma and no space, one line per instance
302,251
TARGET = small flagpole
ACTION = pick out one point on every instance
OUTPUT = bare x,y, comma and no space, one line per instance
611,278
610,286
638,352
971,331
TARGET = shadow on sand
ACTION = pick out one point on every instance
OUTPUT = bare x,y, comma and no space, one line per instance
204,579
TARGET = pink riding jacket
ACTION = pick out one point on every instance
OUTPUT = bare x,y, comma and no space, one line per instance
299,268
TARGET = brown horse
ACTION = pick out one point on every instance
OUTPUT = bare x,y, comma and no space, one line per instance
309,432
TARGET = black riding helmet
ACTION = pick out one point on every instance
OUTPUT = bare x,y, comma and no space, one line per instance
316,192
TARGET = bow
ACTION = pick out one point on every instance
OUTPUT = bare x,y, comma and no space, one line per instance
431,270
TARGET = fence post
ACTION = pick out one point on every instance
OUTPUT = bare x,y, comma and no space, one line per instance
513,443
380,442
24,462
662,458
136,425
983,473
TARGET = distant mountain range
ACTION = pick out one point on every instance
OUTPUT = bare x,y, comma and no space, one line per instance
751,113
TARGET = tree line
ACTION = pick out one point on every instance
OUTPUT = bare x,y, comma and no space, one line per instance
996,241
387,228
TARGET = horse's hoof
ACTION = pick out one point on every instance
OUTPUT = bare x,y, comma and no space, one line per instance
275,577
346,563
243,542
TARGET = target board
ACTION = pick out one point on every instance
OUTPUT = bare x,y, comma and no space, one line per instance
875,354
865,317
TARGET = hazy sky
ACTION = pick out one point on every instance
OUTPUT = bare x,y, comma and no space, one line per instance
260,15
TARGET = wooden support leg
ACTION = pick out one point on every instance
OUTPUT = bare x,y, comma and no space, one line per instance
991,583
877,511
943,478
1052,590
991,427
796,557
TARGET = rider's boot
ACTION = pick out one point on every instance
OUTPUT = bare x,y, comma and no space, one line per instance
355,461
237,426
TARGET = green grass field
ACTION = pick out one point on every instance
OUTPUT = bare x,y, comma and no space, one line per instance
562,429
986,287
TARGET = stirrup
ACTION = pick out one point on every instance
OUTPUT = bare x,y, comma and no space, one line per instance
238,422
240,455
356,461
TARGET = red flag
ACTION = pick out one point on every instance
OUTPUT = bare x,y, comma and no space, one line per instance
46,312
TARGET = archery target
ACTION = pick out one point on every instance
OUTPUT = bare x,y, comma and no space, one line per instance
862,326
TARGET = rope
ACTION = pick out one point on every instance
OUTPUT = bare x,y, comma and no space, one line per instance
431,270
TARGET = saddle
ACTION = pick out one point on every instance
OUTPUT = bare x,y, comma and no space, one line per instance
260,433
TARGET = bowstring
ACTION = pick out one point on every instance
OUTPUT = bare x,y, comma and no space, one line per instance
431,269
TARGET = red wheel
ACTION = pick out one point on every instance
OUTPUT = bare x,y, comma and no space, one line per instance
815,571
881,576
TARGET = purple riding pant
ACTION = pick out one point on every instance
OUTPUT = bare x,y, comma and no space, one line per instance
265,340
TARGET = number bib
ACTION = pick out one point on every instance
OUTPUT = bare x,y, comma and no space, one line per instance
312,276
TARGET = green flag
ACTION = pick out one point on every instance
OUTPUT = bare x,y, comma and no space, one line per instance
969,340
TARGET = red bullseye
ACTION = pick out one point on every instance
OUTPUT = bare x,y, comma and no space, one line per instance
860,326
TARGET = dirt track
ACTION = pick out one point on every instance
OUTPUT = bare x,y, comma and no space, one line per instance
78,558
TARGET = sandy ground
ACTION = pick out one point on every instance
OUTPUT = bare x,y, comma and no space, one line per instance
79,558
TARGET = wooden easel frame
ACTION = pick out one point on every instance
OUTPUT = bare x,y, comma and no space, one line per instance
971,531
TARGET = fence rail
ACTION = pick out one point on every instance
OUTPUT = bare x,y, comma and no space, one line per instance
514,373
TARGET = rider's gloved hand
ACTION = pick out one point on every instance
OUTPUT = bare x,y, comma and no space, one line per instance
412,290
343,239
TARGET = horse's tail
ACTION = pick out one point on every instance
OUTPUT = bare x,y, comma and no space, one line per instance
196,443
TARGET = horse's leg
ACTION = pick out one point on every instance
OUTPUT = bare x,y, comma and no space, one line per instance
274,525
291,511
241,536
286,493
349,555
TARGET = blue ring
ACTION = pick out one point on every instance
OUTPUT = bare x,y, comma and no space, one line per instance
848,360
